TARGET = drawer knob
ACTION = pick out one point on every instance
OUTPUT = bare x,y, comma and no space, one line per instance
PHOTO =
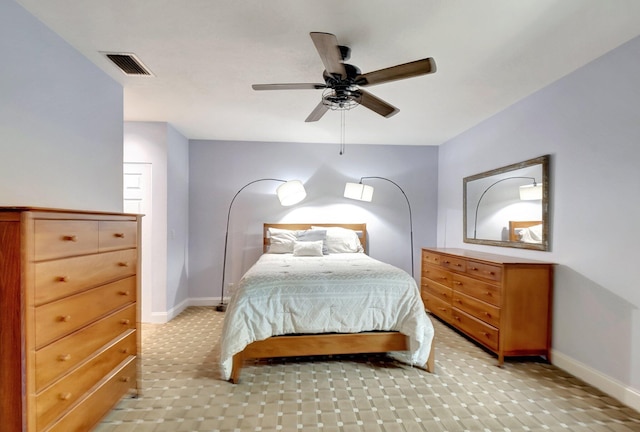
65,396
125,321
63,279
64,357
124,293
457,283
446,262
71,238
125,379
123,264
474,268
119,235
65,318
485,334
488,314
124,350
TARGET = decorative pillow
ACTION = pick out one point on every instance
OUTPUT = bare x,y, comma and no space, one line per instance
281,240
341,240
314,235
307,248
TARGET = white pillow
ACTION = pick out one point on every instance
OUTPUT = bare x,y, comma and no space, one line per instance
341,240
307,248
281,240
314,235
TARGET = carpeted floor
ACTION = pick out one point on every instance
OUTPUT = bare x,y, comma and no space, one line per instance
182,391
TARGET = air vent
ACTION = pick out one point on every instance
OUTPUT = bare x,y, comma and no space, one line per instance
129,64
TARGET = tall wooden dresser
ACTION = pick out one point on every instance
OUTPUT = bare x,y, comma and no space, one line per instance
69,333
502,302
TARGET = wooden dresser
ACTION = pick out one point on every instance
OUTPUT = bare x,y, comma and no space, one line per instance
69,334
502,302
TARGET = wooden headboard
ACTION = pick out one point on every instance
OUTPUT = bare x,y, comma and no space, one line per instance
360,228
515,225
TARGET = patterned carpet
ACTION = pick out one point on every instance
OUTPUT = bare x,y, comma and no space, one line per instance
182,390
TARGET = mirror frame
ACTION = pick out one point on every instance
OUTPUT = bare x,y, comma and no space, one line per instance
544,246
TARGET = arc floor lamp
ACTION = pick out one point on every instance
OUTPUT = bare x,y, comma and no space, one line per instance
363,192
290,192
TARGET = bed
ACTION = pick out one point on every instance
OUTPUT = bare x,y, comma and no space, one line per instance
525,231
334,301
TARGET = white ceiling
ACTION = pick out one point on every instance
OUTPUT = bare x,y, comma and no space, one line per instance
205,54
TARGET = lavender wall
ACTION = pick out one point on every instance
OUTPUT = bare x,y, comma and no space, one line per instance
60,127
588,122
219,169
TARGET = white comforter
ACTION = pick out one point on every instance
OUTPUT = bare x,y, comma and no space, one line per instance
340,293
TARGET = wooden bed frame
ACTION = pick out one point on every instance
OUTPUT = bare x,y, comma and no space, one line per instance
324,344
515,225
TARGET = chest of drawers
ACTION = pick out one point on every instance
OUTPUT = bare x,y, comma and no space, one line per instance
69,332
502,302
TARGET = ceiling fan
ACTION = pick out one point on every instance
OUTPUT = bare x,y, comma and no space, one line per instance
342,81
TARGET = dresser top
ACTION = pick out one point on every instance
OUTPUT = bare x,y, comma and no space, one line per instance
17,209
487,257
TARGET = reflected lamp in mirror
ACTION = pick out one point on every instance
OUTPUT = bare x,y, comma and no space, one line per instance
531,192
500,206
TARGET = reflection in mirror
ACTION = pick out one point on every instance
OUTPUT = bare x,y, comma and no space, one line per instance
509,206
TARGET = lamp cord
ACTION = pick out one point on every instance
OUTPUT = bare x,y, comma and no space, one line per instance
342,131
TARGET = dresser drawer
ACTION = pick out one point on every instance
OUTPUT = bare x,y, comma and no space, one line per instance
437,307
63,277
479,330
86,414
485,271
62,317
117,235
55,399
438,274
57,358
431,257
62,238
478,289
442,292
452,263
479,309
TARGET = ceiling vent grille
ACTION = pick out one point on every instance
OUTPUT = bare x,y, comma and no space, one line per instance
129,64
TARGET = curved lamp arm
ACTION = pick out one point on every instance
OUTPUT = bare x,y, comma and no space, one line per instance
222,306
475,221
410,213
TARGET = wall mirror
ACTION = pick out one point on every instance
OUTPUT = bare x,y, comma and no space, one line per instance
509,206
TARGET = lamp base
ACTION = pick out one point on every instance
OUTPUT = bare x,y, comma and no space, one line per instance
222,307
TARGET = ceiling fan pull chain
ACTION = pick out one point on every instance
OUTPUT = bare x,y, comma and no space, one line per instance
342,131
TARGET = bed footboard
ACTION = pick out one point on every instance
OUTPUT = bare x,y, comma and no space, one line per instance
324,344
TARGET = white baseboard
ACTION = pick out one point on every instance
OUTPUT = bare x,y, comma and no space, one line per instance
204,301
165,317
605,383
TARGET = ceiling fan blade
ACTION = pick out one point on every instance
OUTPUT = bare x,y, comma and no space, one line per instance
377,105
327,46
317,112
290,86
406,70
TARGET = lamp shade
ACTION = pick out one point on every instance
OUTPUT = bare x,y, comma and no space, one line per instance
358,191
531,192
291,192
